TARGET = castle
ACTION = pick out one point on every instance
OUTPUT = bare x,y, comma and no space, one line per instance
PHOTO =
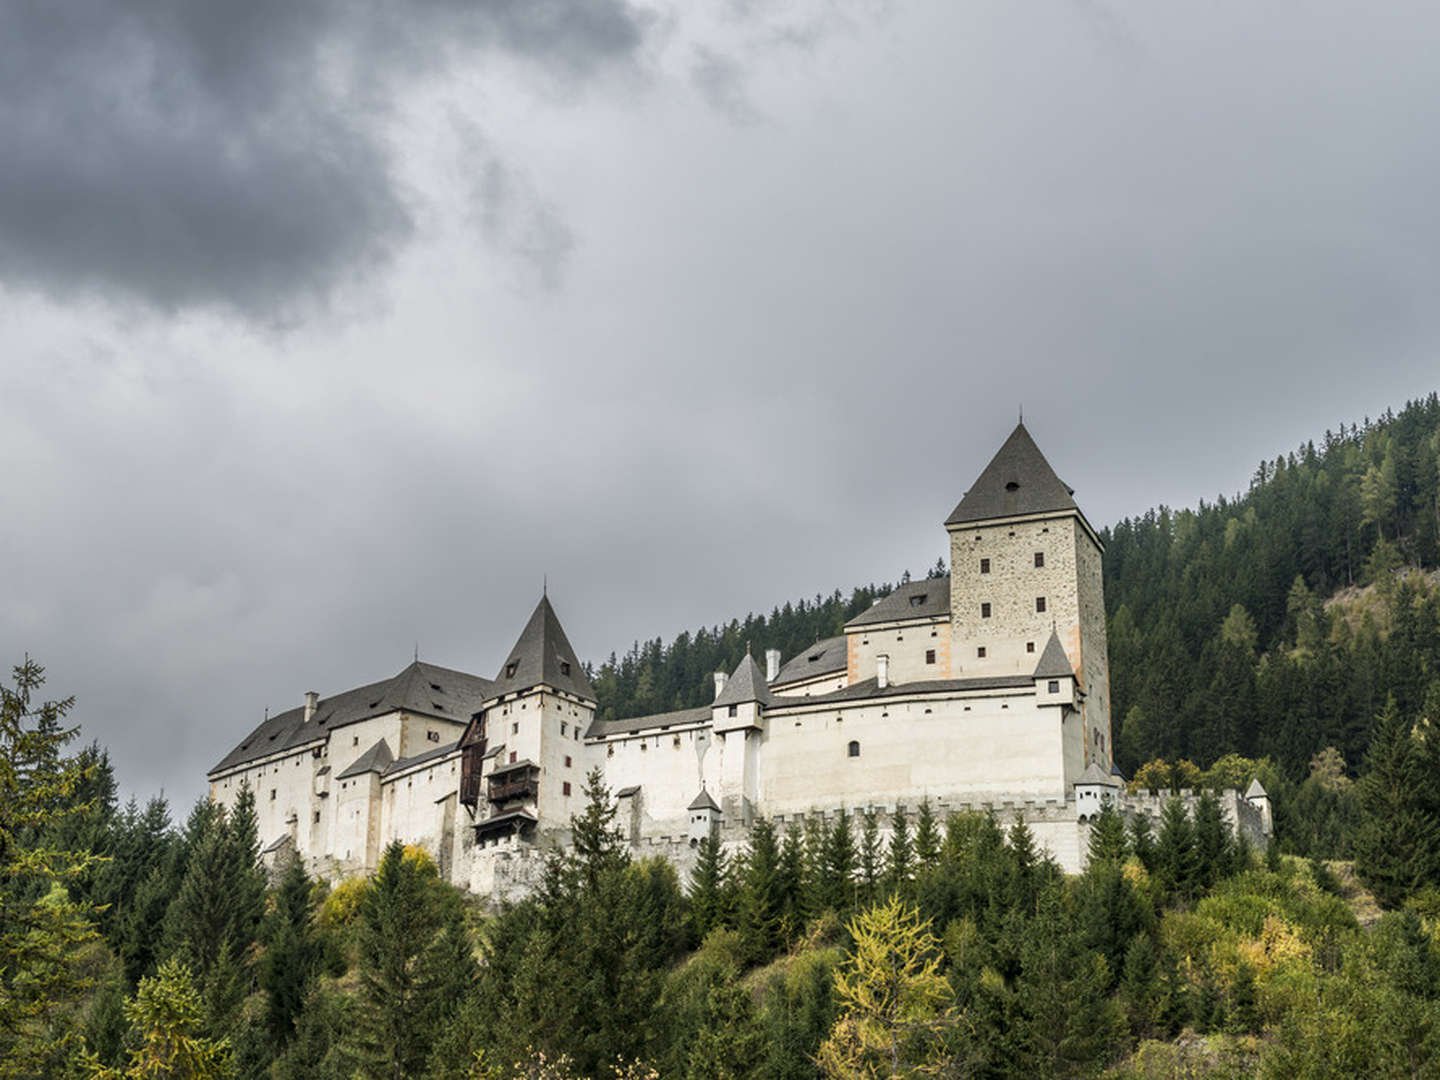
986,689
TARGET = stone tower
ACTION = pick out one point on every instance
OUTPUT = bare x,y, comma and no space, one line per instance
1024,563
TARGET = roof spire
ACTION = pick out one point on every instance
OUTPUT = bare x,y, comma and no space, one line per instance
417,651
1022,412
544,584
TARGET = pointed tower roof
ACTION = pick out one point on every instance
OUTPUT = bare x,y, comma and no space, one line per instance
1054,664
542,654
703,801
1018,480
1256,790
747,684
373,760
1095,774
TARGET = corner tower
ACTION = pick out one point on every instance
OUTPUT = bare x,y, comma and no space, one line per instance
1024,563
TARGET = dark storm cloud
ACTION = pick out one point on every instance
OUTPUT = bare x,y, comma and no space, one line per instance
234,155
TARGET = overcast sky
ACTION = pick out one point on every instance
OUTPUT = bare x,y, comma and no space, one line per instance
324,334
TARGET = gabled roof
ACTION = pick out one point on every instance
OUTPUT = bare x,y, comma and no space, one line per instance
542,655
373,760
1095,774
823,658
1054,664
1018,480
923,599
433,754
678,718
425,689
1256,790
747,684
703,801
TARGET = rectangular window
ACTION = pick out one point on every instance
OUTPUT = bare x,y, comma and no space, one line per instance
563,729
317,817
1039,558
733,710
564,667
514,729
1029,646
984,566
980,652
567,761
272,794
929,656
576,733
565,788
1054,686
984,611
432,736
512,758
1040,604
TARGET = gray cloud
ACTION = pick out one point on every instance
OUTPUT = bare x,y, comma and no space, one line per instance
721,82
235,155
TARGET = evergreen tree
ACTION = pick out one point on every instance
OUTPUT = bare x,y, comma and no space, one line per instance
292,954
1107,836
1397,849
870,857
168,1017
728,1047
1176,862
927,839
710,900
42,932
900,864
414,963
839,869
760,897
1214,848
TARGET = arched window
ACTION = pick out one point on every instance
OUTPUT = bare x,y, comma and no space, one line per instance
854,749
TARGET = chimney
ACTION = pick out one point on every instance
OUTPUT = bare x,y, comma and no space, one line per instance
312,699
720,679
772,664
882,671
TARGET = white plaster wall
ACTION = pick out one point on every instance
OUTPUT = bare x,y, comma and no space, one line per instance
669,775
905,645
997,744
824,685
411,804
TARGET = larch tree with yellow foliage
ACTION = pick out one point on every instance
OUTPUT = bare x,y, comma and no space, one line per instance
896,1010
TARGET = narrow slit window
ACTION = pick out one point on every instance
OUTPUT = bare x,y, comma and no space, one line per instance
984,566
1040,604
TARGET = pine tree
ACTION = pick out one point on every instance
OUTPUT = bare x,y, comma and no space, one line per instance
1214,849
1397,849
760,898
414,964
1176,862
168,1017
727,1047
1107,836
927,839
840,866
870,857
709,892
292,954
42,932
597,846
900,864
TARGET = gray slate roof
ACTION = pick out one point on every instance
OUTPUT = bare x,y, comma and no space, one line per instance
376,759
747,684
425,689
433,754
869,688
823,658
1256,790
1054,664
703,801
1095,774
924,599
679,718
542,655
1018,480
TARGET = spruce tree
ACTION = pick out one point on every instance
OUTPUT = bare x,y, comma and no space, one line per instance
709,891
1107,836
871,865
760,896
1214,850
1142,841
1397,849
901,862
927,839
840,866
292,954
1176,860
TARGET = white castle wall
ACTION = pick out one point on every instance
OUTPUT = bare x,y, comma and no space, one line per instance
905,645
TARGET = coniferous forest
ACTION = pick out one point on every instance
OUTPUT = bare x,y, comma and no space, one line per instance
1290,632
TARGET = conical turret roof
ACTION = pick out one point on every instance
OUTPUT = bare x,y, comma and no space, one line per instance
1054,664
747,684
542,655
1018,480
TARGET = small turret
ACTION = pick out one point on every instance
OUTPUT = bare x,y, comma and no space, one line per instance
704,817
1092,789
1258,797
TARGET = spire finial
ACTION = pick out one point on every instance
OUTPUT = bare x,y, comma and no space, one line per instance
1022,412
544,584
417,652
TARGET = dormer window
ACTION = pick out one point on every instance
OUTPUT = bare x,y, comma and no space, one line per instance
1012,486
918,600
564,667
510,669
